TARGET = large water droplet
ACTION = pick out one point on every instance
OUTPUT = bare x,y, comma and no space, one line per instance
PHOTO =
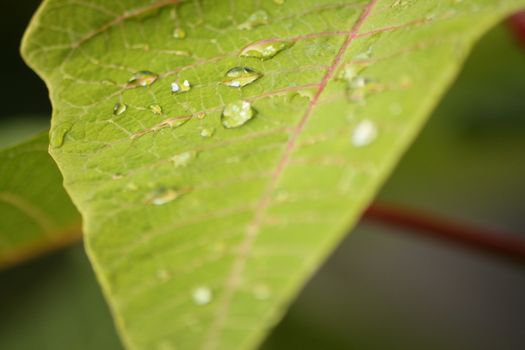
265,50
207,132
58,133
156,109
183,159
179,33
240,76
256,19
364,133
119,108
163,195
177,87
202,295
236,114
142,78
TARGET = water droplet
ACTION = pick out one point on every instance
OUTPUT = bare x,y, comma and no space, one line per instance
364,133
200,115
156,109
238,77
183,159
163,275
142,78
119,108
265,50
207,132
177,87
256,19
58,133
202,295
261,292
179,33
237,114
162,195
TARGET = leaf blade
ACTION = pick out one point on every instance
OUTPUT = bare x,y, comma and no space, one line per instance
230,235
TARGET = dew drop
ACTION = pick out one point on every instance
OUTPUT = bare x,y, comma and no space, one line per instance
265,50
162,195
156,109
236,114
183,159
207,132
58,133
256,19
261,292
179,33
119,108
364,133
142,78
202,295
177,87
238,77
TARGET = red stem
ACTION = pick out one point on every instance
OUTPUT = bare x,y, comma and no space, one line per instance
493,242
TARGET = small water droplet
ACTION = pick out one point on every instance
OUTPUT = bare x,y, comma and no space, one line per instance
200,115
265,50
179,33
256,19
261,292
238,77
58,133
163,275
119,108
156,109
207,132
236,114
364,133
162,195
142,78
177,87
202,295
183,159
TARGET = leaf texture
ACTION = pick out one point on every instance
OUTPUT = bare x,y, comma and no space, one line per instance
200,234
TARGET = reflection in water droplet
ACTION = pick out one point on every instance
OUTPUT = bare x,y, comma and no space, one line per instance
183,159
265,50
364,133
202,295
162,195
156,109
256,19
240,76
119,108
179,33
142,78
177,87
237,114
207,132
58,133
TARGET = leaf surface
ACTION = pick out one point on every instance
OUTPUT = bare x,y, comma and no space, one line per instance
37,214
201,227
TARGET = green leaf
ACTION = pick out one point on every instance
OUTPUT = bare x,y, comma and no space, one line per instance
37,214
202,227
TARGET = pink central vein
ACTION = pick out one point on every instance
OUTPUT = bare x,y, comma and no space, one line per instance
234,278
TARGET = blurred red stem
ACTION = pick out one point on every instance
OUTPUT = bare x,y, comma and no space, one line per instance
493,242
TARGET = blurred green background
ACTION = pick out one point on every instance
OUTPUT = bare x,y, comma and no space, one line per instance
383,288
